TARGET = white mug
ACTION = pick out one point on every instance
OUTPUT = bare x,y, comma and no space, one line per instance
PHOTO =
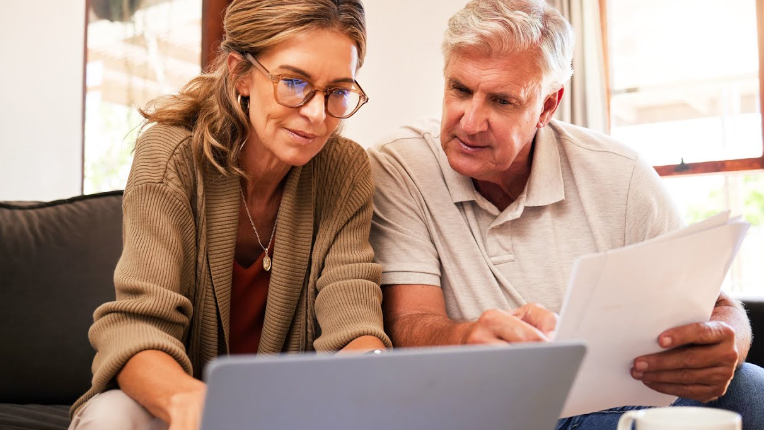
680,418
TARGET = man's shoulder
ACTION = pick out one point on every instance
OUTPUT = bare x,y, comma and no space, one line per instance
589,143
416,142
412,154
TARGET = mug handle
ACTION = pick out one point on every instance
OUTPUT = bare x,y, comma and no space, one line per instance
628,418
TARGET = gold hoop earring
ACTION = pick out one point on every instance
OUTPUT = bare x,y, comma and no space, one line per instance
245,108
245,105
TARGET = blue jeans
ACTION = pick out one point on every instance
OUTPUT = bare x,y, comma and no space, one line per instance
745,395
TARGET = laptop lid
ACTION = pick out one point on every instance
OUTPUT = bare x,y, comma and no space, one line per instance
520,387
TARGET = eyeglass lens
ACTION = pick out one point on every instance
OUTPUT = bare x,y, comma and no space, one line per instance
293,92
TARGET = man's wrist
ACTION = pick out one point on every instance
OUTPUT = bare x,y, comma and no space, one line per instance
464,331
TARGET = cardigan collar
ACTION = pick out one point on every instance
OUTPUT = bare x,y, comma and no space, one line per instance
291,252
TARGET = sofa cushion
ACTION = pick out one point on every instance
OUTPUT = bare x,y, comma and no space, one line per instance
57,263
34,417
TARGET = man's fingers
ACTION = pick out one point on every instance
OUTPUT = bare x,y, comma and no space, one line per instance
694,346
701,372
489,340
538,316
708,376
497,325
520,331
692,357
705,333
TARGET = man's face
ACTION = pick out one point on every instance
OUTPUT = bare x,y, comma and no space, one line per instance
491,107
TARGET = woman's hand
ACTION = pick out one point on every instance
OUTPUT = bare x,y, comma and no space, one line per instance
156,381
362,344
185,408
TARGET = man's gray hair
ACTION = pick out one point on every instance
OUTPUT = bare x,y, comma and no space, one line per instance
499,27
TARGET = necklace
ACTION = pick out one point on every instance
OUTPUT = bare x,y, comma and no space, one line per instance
266,258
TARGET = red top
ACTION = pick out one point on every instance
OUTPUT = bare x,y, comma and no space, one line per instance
249,292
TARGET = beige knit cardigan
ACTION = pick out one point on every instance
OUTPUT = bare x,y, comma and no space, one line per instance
173,280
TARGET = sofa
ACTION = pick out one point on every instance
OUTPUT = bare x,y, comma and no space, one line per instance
56,266
57,263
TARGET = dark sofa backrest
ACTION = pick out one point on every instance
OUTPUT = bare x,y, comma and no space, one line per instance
57,263
755,309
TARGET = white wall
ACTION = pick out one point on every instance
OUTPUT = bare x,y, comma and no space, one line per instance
403,71
41,50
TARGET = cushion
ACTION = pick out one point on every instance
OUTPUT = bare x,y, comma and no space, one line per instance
57,263
34,417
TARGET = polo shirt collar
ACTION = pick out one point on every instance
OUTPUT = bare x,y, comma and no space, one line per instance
545,185
459,186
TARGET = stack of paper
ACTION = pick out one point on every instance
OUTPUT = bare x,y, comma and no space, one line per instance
619,301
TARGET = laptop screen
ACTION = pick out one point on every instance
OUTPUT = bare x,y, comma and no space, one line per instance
519,387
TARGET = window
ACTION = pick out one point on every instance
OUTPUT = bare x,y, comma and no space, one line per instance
685,82
136,51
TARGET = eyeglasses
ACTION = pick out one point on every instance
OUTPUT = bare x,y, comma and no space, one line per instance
294,92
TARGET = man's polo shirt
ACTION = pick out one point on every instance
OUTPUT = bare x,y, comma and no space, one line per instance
586,193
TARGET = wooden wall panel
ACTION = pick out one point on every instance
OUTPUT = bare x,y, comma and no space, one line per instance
212,28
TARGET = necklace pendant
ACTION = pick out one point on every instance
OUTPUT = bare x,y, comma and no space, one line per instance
267,263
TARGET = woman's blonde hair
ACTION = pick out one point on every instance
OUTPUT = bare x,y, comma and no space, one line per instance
208,104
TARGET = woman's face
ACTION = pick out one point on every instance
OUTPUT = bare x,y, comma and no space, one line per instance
295,135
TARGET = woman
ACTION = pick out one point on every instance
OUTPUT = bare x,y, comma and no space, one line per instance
246,218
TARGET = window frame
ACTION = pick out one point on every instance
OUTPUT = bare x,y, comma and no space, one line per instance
704,167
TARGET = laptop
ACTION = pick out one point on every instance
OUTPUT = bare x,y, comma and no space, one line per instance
521,387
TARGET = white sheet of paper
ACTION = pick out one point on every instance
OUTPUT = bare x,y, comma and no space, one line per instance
619,301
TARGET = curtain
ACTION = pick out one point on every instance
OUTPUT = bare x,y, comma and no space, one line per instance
585,100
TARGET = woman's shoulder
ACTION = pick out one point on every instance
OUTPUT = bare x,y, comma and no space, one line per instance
162,153
343,156
342,174
161,140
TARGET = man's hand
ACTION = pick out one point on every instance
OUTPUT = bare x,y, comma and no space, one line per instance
699,362
415,315
529,323
538,316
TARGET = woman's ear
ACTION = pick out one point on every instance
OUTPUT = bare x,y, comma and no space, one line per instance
234,61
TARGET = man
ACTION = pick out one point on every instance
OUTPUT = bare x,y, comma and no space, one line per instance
479,218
